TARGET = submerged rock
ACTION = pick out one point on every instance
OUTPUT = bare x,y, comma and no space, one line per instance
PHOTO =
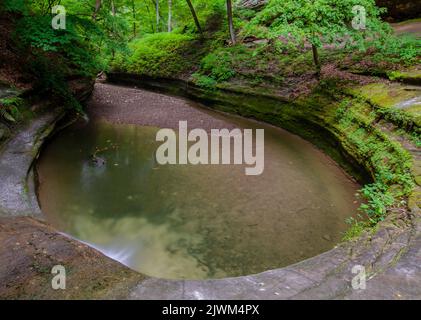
97,161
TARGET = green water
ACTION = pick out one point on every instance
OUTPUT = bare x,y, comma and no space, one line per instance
193,222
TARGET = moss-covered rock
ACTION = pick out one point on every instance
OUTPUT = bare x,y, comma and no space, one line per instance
399,104
408,76
386,95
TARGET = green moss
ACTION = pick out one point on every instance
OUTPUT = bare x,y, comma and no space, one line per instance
390,164
414,200
385,95
157,55
412,76
204,81
385,100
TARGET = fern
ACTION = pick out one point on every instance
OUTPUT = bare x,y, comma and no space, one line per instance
9,109
6,115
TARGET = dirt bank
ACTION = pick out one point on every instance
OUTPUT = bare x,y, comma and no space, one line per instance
119,104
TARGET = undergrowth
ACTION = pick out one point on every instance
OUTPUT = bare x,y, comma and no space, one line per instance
9,109
390,165
157,55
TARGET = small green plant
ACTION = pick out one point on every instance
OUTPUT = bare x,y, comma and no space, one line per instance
378,199
9,109
218,65
204,81
403,49
356,228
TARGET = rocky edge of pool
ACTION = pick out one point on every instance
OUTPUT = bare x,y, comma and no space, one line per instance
390,253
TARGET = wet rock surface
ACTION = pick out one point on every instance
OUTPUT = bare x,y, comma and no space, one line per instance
29,251
16,158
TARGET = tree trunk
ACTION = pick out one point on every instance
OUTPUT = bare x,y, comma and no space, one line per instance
316,58
151,21
112,8
97,7
169,15
113,12
193,12
134,18
230,22
157,15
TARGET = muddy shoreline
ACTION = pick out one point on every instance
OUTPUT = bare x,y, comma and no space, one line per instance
126,105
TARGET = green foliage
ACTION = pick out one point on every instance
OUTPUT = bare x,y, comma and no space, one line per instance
378,199
82,49
218,65
414,137
318,21
159,54
204,81
403,49
401,118
52,82
15,6
390,164
293,23
252,64
34,32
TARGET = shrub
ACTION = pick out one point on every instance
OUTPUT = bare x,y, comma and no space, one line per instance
203,81
378,199
159,54
403,49
218,65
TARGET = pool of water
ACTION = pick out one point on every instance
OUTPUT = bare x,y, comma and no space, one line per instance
193,222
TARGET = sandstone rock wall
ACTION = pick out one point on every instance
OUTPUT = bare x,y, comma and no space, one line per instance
399,10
